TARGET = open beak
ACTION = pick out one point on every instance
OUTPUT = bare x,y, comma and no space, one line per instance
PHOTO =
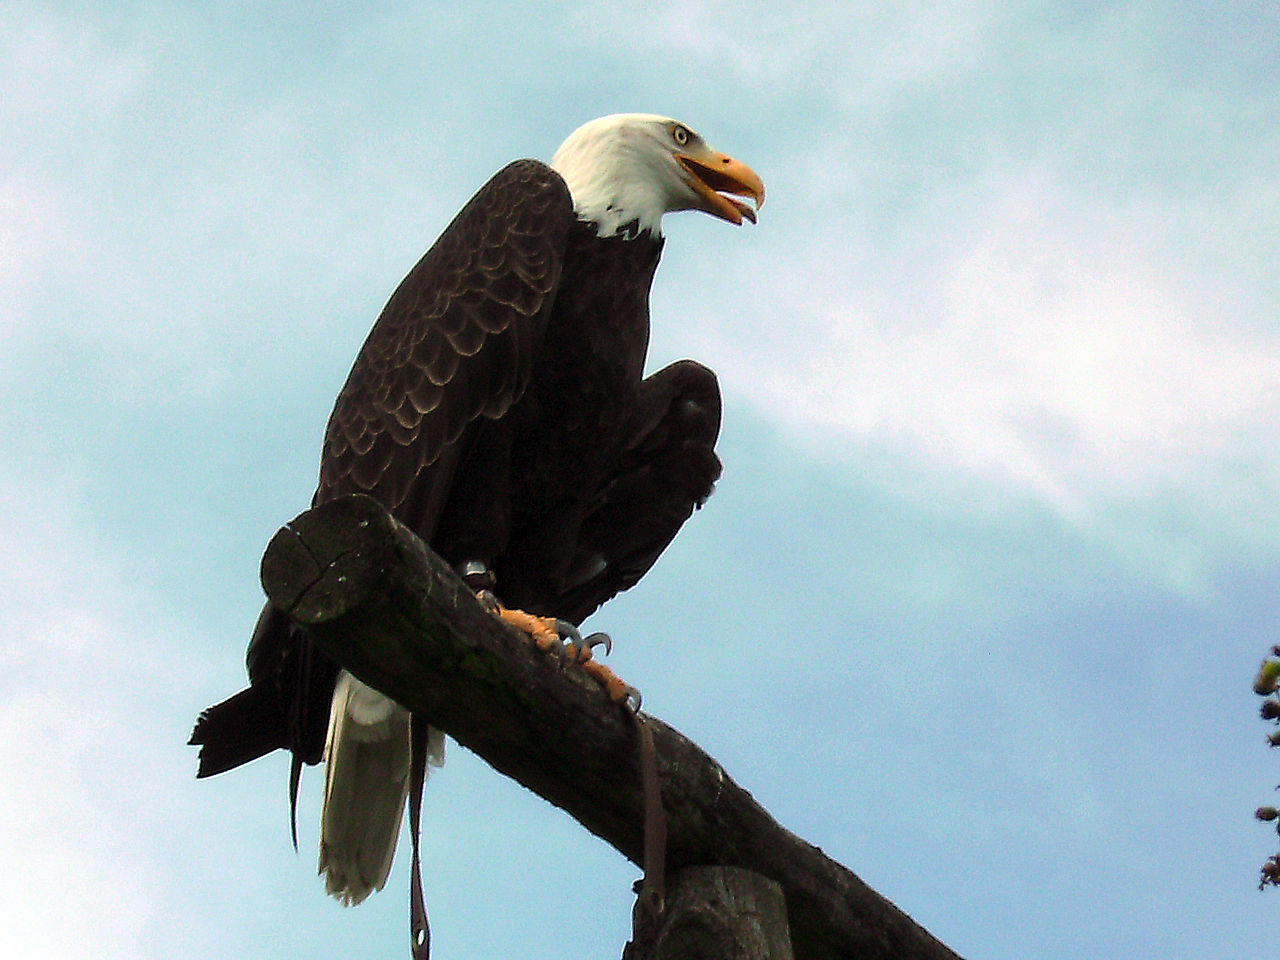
719,180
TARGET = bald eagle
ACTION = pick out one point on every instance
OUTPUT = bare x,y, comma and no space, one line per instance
499,409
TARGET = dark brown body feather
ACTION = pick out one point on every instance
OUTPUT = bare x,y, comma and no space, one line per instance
498,409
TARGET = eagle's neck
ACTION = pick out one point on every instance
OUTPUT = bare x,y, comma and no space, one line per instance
611,187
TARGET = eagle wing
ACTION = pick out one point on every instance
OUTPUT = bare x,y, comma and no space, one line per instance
667,470
455,344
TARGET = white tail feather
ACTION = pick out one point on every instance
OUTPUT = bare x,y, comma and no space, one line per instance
367,761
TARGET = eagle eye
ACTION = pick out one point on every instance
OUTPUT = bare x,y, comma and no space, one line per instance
680,134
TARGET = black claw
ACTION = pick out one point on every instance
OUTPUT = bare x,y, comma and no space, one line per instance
572,637
569,632
633,699
597,640
488,601
582,646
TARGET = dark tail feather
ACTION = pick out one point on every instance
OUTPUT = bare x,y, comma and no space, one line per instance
242,728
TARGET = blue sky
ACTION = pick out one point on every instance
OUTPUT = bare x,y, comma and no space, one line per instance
977,603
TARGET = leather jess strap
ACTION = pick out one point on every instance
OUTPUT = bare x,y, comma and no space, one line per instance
419,928
651,901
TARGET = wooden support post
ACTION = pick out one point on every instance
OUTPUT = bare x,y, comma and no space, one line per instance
722,912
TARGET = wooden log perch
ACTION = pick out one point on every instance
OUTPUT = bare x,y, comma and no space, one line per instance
386,608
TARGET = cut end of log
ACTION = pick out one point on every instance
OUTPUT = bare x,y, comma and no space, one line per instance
323,562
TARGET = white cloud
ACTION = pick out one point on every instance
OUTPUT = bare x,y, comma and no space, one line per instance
60,82
50,63
965,261
999,268
1049,344
86,796
850,50
35,230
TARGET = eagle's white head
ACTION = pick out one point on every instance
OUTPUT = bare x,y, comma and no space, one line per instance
631,168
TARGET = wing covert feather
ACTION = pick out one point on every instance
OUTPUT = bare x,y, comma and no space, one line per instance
455,342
